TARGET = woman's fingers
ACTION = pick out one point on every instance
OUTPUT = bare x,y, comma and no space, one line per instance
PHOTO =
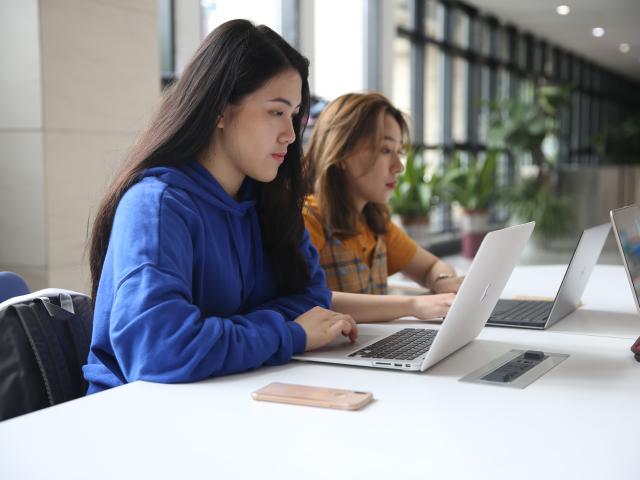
345,325
353,331
434,306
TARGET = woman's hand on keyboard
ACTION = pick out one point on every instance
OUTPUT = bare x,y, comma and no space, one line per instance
322,326
429,307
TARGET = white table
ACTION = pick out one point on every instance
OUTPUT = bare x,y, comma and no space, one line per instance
580,420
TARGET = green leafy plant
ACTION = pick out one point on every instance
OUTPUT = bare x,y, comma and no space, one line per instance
531,201
414,196
472,184
522,127
620,144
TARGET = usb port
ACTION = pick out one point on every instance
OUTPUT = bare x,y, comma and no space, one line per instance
397,364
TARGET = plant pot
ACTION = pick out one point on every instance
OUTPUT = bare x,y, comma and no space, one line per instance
410,220
416,227
474,227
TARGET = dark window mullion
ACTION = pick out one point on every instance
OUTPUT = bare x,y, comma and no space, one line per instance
446,83
446,96
575,110
473,88
417,59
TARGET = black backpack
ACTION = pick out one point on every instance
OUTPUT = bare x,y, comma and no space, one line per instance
44,342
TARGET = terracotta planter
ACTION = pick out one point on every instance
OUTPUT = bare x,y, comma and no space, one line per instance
421,220
474,226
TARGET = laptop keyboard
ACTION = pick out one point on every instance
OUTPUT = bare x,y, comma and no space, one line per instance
519,312
406,344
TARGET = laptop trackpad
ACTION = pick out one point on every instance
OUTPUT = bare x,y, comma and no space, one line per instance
342,346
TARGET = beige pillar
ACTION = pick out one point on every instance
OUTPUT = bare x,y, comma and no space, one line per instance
79,81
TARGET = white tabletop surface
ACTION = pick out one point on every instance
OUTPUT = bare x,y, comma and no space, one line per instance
579,421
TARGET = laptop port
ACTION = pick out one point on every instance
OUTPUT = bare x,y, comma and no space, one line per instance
397,364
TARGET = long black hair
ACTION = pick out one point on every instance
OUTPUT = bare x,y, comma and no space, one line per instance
237,58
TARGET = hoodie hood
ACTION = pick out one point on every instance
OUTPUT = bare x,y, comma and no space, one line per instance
197,180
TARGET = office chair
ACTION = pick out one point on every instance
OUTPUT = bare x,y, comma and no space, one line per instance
12,285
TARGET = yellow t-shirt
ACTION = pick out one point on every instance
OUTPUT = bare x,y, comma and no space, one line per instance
400,247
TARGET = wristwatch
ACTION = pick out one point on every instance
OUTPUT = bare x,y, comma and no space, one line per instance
442,276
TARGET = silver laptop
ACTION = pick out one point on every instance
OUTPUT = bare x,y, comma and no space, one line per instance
540,314
626,226
420,348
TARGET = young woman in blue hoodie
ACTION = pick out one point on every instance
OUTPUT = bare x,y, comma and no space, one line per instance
200,262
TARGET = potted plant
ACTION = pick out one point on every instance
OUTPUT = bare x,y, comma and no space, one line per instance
414,195
524,128
531,200
620,144
473,186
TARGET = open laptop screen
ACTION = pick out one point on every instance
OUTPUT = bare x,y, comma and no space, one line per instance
626,223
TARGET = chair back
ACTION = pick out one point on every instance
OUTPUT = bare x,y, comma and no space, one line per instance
12,285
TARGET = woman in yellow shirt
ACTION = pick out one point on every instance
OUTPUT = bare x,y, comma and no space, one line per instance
352,162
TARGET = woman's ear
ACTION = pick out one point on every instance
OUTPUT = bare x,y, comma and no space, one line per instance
223,118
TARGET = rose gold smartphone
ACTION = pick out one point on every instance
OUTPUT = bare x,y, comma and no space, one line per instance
313,396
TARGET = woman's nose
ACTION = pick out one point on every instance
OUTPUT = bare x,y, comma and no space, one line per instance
288,136
397,166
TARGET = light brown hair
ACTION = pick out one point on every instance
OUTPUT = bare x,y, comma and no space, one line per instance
347,125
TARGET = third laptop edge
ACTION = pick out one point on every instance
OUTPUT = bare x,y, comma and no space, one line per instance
626,226
540,314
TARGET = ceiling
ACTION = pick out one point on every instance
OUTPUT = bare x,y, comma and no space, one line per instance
619,18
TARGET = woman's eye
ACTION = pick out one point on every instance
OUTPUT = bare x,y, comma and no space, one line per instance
386,151
277,113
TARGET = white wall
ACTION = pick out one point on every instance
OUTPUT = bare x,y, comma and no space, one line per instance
22,193
79,82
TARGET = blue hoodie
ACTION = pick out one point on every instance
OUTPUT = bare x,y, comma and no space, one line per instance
187,291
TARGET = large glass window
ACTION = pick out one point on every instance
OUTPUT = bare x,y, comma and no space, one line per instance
460,28
401,74
434,12
216,12
504,84
402,13
521,58
167,50
527,91
338,62
165,27
486,96
432,95
467,59
502,46
460,99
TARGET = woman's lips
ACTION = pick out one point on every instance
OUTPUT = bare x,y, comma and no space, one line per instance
278,157
391,185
